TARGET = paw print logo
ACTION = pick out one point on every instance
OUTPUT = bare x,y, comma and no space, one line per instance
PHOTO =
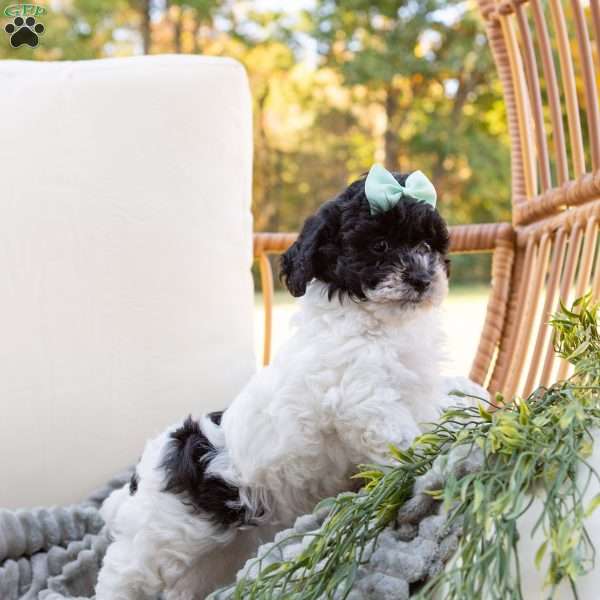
24,31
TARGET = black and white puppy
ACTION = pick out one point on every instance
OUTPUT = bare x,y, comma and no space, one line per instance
361,372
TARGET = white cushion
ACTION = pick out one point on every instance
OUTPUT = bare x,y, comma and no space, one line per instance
125,254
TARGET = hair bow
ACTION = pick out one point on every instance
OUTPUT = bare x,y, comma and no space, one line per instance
384,192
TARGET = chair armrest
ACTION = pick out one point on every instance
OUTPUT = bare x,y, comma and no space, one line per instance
481,237
272,243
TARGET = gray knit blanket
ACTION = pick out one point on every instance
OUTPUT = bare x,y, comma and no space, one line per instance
56,553
414,548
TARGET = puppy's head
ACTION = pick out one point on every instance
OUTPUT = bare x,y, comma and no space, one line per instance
393,256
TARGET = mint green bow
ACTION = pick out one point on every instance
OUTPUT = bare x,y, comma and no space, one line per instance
384,192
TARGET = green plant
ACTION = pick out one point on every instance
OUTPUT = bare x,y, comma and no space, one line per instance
540,443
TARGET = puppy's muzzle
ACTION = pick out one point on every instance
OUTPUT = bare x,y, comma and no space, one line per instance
419,281
417,271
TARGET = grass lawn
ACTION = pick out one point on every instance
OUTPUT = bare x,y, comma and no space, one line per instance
464,312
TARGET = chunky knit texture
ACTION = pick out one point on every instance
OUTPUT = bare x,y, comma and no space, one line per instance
56,553
408,552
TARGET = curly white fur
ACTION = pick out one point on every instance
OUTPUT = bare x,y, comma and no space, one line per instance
354,378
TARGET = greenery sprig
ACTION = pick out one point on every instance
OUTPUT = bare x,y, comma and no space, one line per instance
537,445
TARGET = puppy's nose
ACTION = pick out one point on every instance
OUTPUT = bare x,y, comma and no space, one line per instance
419,281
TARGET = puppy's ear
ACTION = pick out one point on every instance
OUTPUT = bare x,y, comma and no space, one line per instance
315,245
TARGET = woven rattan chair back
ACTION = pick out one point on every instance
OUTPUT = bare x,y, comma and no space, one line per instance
546,53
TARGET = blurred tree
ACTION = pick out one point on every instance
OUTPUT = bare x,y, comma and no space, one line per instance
381,45
195,14
426,64
144,8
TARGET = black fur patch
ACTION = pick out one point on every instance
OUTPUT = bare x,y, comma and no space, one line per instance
133,484
185,462
351,250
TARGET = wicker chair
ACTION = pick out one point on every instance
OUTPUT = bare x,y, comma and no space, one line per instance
549,251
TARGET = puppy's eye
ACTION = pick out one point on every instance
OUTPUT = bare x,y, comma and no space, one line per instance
381,246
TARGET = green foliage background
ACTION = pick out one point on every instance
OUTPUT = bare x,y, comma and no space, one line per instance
336,84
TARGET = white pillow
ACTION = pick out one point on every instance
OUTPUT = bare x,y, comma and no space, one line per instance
125,254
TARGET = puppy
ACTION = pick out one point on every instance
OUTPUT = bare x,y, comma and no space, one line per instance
361,372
